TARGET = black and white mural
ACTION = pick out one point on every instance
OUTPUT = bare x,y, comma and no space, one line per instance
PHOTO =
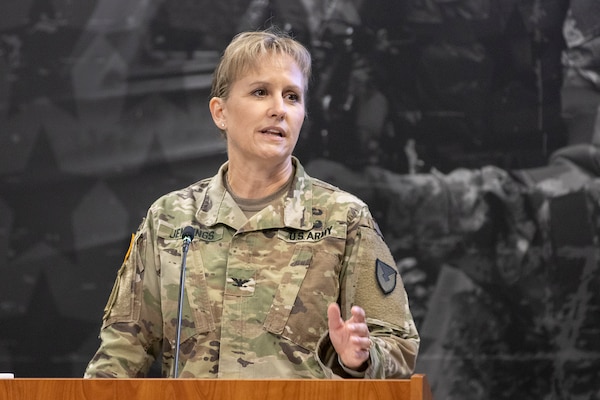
468,126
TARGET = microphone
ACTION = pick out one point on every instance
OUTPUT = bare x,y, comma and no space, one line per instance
187,236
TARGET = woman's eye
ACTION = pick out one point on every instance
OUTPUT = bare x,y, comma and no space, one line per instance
260,92
293,97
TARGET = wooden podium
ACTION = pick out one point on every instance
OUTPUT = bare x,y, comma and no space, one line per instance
415,388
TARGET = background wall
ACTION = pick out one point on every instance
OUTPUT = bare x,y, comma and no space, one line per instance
103,107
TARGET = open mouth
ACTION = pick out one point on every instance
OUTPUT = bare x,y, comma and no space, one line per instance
275,132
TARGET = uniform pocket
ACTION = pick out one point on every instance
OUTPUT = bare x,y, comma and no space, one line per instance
124,302
287,292
299,309
197,315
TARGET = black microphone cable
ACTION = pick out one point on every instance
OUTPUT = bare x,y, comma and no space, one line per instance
187,236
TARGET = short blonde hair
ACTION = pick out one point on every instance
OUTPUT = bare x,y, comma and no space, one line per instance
246,50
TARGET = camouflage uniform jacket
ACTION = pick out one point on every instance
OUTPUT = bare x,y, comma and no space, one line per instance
257,289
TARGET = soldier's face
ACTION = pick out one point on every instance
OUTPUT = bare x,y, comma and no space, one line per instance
265,110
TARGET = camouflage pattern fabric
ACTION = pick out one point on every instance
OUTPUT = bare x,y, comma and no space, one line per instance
257,289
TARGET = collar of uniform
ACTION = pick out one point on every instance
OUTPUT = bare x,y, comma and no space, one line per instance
219,207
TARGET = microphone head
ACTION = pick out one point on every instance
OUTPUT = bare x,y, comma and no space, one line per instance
188,233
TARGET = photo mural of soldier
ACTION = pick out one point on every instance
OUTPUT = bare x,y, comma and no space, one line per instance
501,268
410,85
581,77
469,126
517,248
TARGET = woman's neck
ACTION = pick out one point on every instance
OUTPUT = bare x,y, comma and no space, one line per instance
251,182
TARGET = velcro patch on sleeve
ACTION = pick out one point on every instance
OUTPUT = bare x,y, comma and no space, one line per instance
379,287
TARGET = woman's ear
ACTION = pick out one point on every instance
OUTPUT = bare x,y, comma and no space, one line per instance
217,111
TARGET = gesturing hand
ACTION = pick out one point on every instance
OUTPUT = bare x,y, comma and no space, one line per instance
349,338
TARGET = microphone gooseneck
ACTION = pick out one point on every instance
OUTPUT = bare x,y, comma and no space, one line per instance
187,236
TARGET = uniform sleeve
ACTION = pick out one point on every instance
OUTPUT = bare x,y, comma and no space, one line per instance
372,282
132,325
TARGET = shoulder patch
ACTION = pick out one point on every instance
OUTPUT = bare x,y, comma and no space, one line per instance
386,276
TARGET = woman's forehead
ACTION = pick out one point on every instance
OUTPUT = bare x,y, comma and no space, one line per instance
268,62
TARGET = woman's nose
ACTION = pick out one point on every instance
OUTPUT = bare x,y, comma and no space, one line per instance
277,109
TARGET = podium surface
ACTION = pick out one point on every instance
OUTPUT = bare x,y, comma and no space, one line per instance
415,388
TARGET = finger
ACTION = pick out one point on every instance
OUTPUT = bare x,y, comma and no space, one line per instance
358,314
334,316
359,329
362,353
